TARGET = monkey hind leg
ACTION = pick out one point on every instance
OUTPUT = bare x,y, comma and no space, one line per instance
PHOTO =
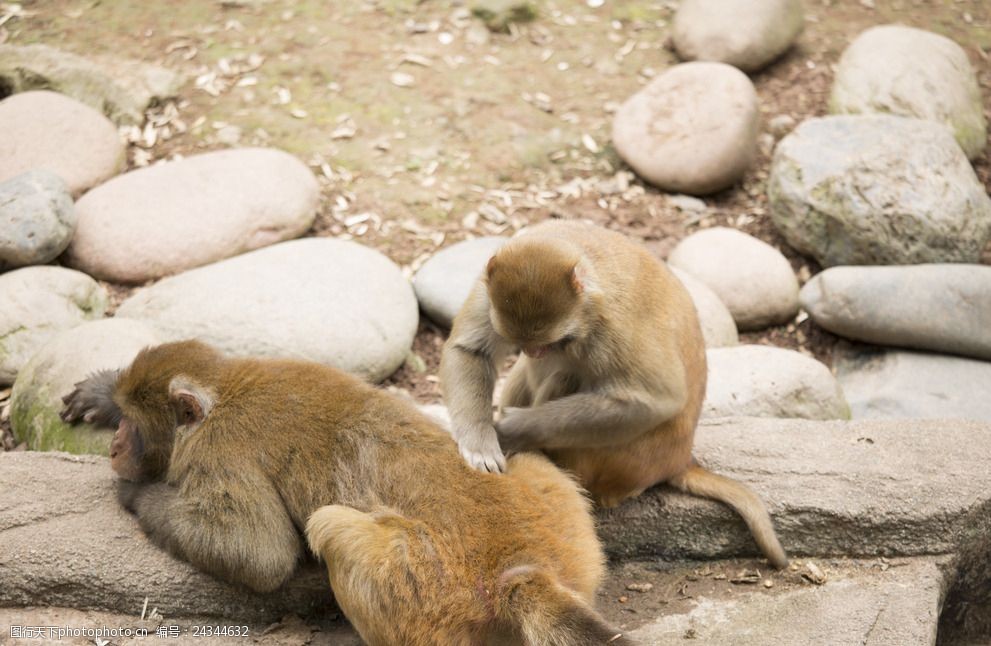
701,482
547,614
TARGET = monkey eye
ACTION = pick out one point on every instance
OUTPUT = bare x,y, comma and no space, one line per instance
565,340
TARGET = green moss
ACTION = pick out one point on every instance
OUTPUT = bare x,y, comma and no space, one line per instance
36,421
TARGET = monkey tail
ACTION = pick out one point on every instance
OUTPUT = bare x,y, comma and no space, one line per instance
701,482
548,614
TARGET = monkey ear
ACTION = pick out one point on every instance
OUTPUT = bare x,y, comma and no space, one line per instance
581,278
490,267
191,402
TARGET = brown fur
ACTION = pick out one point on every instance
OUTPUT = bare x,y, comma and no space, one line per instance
617,390
240,455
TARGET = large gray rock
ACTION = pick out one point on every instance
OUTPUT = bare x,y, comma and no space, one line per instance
718,328
166,218
51,131
946,308
903,384
751,277
37,219
443,283
898,606
66,541
913,73
119,88
877,190
858,489
763,381
693,129
50,374
38,303
747,34
329,301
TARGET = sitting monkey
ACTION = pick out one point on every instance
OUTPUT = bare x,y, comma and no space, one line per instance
612,376
224,461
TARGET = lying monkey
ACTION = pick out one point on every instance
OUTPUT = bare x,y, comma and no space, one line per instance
225,460
612,377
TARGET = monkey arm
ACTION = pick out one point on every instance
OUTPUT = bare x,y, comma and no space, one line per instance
244,537
92,400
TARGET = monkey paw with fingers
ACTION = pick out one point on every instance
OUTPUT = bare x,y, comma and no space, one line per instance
480,449
91,401
509,431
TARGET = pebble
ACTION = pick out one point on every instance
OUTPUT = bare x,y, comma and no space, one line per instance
443,283
37,219
751,277
38,303
718,328
51,131
498,15
331,301
945,308
693,129
139,226
877,190
747,34
911,72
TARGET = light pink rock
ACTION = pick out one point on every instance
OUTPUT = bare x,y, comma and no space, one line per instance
167,218
49,130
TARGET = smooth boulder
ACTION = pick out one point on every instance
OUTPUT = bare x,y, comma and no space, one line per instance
443,283
877,190
747,34
900,384
764,381
751,277
37,219
38,303
166,218
50,374
693,129
331,301
892,69
945,308
49,130
718,328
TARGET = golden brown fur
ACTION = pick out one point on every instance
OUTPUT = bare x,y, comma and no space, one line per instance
613,374
243,454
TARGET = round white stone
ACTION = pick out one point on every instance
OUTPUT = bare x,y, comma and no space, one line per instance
37,219
718,328
443,283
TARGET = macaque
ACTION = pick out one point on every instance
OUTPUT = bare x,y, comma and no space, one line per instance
612,374
231,463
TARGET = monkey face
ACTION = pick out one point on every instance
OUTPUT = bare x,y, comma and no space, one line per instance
127,452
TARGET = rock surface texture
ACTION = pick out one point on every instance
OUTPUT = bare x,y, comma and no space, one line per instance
747,34
141,226
51,131
324,300
877,190
38,303
51,373
693,129
443,283
718,327
37,219
945,308
912,73
750,276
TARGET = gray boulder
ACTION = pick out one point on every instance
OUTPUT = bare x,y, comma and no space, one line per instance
443,283
51,131
693,129
121,89
38,303
910,72
887,384
877,190
718,328
329,301
763,381
50,374
747,34
946,308
37,219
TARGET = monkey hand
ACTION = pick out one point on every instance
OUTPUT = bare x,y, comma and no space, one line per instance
480,449
511,434
91,400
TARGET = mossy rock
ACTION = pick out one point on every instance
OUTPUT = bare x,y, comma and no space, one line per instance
499,14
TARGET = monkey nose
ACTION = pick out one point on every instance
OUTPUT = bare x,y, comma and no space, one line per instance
536,351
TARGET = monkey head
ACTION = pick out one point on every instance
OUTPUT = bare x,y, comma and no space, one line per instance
538,290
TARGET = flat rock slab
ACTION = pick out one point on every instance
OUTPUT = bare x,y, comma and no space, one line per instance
898,606
167,218
858,489
37,219
443,283
946,308
51,131
886,384
330,301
